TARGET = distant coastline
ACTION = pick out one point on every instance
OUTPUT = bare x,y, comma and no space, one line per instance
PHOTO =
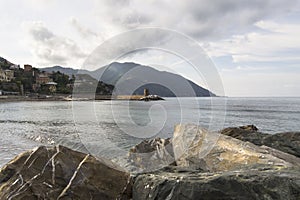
64,97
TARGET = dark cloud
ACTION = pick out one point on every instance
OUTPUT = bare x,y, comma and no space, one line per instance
198,18
132,41
226,17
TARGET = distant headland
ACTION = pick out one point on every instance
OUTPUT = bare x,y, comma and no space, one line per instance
114,81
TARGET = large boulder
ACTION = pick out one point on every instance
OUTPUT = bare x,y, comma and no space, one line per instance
288,142
247,133
61,173
197,148
259,183
215,166
151,154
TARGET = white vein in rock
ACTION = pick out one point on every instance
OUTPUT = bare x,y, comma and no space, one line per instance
72,178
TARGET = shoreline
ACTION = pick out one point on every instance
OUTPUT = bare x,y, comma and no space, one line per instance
67,97
7,99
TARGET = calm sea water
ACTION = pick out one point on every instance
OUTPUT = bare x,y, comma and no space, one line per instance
110,128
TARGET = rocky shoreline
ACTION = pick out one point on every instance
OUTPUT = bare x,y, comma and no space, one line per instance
235,163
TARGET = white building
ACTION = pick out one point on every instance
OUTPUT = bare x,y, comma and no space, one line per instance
6,75
14,67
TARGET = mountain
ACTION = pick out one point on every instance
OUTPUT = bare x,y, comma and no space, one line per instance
83,85
131,78
65,70
126,76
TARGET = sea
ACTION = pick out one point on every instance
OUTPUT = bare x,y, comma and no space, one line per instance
110,128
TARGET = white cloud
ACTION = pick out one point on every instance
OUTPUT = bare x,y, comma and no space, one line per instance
39,4
49,48
273,43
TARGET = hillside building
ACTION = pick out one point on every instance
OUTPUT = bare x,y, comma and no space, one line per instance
6,75
27,68
43,79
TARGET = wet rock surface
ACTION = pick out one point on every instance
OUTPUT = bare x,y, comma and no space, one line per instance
288,142
61,173
259,183
151,154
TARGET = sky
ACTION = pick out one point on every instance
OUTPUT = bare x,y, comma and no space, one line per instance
254,44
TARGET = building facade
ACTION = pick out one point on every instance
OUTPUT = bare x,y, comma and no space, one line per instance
6,75
27,68
42,79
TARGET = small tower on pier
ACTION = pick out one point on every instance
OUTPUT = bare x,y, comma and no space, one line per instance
146,92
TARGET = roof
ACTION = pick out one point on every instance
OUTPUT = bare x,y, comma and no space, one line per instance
43,76
51,83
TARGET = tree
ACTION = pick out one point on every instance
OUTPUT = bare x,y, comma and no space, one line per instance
62,81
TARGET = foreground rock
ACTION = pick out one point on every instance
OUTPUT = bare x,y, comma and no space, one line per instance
60,173
262,183
215,166
151,155
208,166
196,148
288,142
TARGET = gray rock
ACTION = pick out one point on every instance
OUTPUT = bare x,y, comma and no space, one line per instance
61,173
260,183
249,127
288,142
244,134
210,166
196,148
151,98
151,155
216,166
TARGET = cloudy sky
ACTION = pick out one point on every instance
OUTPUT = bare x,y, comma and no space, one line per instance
254,44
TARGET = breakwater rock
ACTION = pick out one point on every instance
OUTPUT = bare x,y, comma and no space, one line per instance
61,173
151,154
257,183
196,148
217,166
151,98
236,163
288,142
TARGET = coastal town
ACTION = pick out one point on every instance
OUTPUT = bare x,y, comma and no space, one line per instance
31,81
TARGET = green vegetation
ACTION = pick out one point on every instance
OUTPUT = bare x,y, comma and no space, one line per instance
25,78
64,83
86,84
26,81
4,64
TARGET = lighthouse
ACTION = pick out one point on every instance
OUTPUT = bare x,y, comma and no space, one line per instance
146,92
